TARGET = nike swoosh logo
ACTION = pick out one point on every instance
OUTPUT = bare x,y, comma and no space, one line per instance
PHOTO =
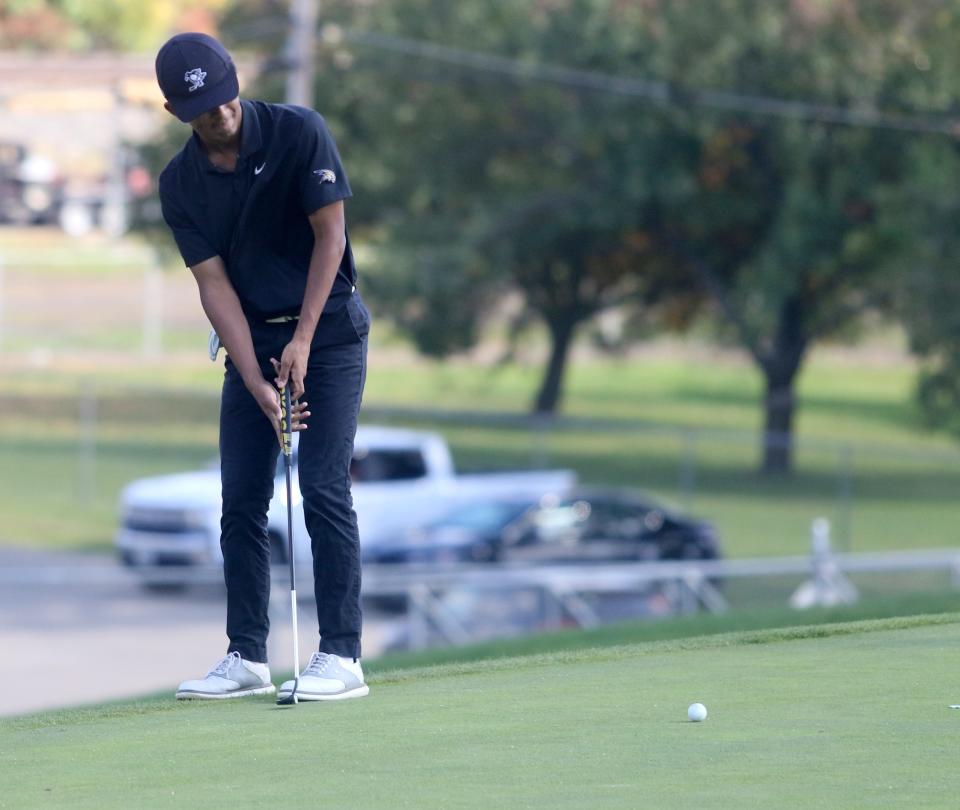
258,169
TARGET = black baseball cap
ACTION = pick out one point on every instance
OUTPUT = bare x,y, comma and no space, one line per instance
196,74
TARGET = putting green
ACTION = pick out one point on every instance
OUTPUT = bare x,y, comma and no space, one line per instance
850,715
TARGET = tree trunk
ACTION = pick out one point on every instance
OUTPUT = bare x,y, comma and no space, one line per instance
780,369
551,388
779,408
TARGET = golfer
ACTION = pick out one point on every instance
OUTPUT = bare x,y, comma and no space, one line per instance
255,203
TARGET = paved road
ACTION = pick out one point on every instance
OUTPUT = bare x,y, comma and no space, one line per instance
77,628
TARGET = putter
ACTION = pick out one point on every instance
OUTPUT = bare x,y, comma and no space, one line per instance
286,427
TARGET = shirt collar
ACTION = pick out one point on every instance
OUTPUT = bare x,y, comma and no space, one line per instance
251,138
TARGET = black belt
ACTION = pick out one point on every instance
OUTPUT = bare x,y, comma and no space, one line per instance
288,318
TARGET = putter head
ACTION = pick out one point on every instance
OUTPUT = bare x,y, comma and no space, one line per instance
291,699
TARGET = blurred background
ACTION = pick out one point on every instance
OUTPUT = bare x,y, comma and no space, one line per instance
666,335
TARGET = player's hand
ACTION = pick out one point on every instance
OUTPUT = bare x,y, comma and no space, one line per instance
298,419
269,401
292,367
268,398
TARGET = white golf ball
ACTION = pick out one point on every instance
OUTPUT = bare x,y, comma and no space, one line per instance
697,712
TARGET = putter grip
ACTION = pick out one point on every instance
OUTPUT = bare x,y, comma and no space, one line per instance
286,428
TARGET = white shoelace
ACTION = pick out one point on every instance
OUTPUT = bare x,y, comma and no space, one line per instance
223,665
318,663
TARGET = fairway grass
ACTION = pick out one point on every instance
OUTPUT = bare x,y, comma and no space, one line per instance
688,434
839,716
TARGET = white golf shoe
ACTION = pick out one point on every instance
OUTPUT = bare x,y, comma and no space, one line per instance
231,677
328,677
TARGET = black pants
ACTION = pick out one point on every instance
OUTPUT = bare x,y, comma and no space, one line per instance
248,451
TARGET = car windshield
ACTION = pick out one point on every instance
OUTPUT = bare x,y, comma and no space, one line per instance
483,516
375,466
400,464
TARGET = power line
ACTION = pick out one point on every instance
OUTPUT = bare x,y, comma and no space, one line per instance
655,91
658,92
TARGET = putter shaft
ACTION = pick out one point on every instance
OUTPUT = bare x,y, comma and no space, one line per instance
287,433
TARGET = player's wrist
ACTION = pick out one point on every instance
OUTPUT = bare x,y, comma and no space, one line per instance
301,340
253,379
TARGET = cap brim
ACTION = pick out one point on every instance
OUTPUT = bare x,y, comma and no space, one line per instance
186,109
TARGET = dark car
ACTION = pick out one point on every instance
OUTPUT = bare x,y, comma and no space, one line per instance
470,533
580,526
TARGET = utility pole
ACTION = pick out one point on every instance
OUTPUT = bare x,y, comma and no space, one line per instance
300,45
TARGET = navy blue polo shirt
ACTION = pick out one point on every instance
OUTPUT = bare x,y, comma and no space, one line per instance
255,217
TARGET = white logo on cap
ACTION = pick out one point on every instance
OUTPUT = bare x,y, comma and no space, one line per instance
195,78
326,176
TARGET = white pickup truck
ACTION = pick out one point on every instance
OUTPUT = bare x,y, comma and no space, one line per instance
401,479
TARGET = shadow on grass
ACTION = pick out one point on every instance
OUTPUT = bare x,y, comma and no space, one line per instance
146,452
903,415
134,408
669,472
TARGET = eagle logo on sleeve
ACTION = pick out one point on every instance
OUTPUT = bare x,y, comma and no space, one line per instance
325,176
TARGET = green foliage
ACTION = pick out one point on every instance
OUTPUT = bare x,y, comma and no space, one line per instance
584,200
778,216
925,282
536,185
98,24
472,183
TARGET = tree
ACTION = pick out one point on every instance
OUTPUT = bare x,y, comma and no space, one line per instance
775,218
478,181
925,284
104,24
808,259
484,184
921,215
801,266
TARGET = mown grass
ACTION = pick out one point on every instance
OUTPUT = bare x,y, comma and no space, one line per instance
47,253
843,715
772,616
687,431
